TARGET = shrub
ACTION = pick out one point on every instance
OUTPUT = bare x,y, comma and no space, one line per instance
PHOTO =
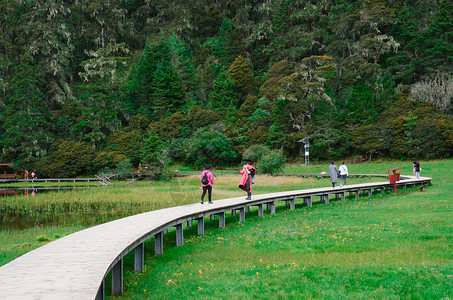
272,162
67,159
254,153
208,146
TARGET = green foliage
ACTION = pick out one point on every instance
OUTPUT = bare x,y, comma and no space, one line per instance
152,145
272,162
254,153
67,159
223,93
209,146
128,142
268,71
367,139
241,74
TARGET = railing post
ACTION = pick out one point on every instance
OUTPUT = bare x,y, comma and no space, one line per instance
189,223
273,208
222,220
117,278
343,196
370,193
309,201
179,235
139,258
233,212
242,215
327,199
247,209
200,226
357,194
212,217
158,244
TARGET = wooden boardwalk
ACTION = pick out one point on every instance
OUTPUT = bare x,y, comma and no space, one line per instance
74,267
50,180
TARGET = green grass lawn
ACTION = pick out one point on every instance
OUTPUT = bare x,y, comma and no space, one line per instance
384,246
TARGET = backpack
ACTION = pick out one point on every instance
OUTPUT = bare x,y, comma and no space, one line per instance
205,179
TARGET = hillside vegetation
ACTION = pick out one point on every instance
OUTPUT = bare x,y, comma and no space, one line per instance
88,85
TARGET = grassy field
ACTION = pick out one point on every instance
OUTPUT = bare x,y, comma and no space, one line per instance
378,247
385,246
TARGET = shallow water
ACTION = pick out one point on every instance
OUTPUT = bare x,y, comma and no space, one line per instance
34,190
15,218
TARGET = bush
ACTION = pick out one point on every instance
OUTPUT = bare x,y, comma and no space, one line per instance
272,162
254,153
67,159
208,146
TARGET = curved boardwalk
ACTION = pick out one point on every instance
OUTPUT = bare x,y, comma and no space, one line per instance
74,267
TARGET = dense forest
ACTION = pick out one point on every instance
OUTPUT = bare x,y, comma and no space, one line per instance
94,84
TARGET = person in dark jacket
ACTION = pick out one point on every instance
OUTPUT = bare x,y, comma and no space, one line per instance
417,169
207,185
333,172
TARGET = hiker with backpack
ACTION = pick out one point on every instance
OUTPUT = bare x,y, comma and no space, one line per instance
248,178
207,180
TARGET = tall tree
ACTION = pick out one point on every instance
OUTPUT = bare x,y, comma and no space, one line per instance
27,130
50,42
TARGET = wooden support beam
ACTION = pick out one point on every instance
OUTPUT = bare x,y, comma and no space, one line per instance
241,215
260,210
117,278
179,235
158,244
222,220
200,222
139,264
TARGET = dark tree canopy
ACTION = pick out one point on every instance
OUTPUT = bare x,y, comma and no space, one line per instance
86,85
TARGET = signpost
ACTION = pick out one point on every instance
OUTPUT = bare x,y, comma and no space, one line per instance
306,141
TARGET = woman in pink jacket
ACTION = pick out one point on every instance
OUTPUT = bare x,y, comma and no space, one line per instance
247,179
207,180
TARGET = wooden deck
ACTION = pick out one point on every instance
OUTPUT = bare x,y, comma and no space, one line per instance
50,180
74,267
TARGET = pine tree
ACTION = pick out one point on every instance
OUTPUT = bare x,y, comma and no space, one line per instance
223,92
166,94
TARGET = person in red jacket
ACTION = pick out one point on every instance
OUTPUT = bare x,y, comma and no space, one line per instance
207,180
248,176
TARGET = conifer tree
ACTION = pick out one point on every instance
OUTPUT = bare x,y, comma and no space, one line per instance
223,93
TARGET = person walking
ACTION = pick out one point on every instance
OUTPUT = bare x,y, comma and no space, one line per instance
343,174
333,172
245,184
207,180
26,175
417,168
